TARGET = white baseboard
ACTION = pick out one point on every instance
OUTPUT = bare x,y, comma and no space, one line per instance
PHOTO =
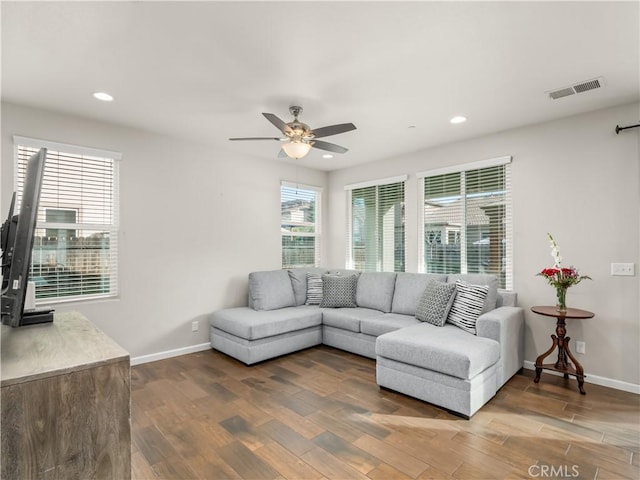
595,379
170,353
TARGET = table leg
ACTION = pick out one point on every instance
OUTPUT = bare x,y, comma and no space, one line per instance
562,363
579,369
540,359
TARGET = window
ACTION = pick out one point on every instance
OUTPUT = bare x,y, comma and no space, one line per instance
376,230
467,220
300,225
76,239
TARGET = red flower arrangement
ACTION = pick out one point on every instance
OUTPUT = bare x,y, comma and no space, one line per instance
561,277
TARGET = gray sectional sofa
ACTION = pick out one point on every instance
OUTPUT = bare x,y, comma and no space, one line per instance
443,365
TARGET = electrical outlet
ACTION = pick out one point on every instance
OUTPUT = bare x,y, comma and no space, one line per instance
623,269
194,326
581,347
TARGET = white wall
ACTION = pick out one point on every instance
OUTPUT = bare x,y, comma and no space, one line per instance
574,178
193,224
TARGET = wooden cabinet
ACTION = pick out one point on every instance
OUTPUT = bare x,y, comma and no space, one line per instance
65,401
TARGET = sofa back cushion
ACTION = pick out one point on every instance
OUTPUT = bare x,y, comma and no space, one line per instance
298,277
375,290
490,281
271,290
409,289
343,272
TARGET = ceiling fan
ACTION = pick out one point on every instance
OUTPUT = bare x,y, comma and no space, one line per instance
300,136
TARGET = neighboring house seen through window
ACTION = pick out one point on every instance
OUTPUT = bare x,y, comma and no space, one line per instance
466,214
300,225
76,239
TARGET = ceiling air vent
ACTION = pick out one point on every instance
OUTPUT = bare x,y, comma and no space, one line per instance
588,85
563,92
577,88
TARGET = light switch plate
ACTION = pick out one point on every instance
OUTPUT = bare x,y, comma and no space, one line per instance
623,269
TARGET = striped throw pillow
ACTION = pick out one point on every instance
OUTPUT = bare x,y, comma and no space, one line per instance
314,289
467,305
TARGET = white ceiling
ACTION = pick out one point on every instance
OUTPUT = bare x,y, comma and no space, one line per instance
206,70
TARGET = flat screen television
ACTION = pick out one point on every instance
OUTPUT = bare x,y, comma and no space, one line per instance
17,244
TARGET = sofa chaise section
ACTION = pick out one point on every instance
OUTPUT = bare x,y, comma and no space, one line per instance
252,336
441,365
451,368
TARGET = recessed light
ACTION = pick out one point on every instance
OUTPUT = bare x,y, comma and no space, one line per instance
327,155
458,119
104,96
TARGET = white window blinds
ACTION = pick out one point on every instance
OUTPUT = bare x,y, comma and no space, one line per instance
467,221
76,240
300,225
376,226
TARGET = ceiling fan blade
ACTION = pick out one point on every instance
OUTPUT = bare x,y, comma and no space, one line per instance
256,138
330,147
280,125
333,130
282,154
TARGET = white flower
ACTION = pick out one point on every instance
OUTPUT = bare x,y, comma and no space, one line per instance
555,253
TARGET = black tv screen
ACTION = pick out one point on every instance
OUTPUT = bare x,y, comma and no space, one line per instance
17,244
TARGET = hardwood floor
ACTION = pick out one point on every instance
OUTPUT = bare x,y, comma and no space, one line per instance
319,414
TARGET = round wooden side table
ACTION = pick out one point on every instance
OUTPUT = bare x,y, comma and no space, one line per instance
562,365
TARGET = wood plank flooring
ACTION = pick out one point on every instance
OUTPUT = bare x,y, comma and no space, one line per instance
319,414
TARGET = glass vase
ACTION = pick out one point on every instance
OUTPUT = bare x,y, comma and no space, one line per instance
561,294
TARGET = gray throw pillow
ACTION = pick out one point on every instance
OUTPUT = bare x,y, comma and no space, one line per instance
467,305
339,291
314,289
435,303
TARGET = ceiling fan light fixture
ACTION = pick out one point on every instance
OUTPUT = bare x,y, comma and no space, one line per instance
296,149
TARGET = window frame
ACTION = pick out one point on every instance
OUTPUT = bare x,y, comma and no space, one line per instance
113,228
349,257
463,169
317,233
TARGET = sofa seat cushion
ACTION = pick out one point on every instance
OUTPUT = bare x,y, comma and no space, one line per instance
446,349
389,322
348,318
251,324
